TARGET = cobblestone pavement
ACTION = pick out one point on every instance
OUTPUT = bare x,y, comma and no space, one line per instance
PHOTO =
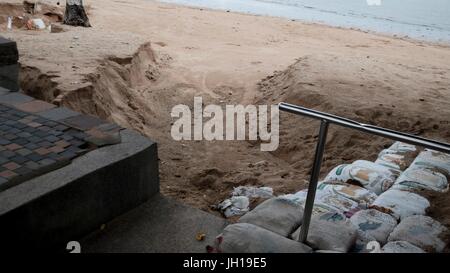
30,145
37,137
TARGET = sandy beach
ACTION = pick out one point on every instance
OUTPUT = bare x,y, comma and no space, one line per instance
141,58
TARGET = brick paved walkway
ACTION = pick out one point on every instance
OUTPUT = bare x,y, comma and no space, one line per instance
37,137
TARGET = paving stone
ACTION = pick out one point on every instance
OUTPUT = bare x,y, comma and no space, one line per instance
13,147
23,171
24,152
31,145
42,151
8,174
7,154
83,122
14,98
35,157
4,141
52,138
21,141
3,160
57,149
11,166
47,162
19,159
35,106
58,114
32,165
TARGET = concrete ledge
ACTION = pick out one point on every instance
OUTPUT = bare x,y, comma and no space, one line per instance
161,225
9,76
48,211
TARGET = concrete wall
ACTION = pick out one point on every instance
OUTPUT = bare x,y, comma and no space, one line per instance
9,68
47,212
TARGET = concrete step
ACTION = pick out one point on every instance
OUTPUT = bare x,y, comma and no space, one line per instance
160,225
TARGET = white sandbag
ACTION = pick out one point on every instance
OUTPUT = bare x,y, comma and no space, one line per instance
333,200
423,178
330,231
399,156
362,241
401,204
394,160
248,238
391,172
356,193
374,224
371,176
403,147
401,247
278,215
421,231
439,161
319,208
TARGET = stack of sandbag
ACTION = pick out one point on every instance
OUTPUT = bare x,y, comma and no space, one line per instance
374,177
399,156
248,238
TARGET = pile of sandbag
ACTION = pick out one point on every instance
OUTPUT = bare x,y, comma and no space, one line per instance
362,207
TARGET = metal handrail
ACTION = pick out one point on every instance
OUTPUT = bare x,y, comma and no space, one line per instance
327,119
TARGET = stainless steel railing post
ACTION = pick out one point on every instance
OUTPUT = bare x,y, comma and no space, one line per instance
309,204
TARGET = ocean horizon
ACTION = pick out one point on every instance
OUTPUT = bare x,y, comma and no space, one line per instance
424,20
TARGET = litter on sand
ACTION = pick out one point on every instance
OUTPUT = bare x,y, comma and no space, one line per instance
234,206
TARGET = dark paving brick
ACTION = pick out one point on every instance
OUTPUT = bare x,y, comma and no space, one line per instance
31,144
83,122
35,106
14,98
59,114
11,166
4,141
3,160
8,174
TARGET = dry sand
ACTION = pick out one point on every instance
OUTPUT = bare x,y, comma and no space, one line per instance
111,70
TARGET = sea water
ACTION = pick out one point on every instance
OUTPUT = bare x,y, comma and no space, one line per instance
419,19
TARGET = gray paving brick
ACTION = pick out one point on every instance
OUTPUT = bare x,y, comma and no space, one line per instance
58,114
15,98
